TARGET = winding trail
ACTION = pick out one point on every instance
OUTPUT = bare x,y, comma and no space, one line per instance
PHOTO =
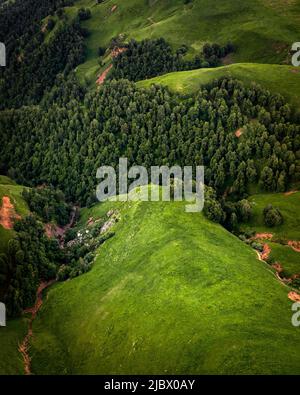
25,345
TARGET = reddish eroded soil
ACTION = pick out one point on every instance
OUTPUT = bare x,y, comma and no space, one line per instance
263,236
103,76
266,252
90,221
290,193
277,266
117,51
238,133
7,213
294,296
54,231
58,232
114,53
264,255
24,346
295,245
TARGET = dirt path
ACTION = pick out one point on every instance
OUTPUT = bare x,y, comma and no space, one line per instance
25,345
7,213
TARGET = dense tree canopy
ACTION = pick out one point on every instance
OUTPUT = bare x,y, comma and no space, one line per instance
33,59
63,142
150,58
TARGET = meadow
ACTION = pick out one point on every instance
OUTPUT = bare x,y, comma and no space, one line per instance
262,31
288,206
166,294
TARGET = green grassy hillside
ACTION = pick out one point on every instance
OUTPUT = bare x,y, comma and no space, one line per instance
281,79
171,292
10,337
262,30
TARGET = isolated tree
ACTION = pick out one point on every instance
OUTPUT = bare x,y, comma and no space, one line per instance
272,216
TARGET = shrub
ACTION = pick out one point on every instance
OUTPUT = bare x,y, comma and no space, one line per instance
272,216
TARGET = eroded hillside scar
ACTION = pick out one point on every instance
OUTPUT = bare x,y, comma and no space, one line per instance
7,213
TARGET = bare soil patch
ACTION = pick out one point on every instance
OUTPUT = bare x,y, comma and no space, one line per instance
295,245
238,133
263,236
294,296
117,51
103,76
290,193
266,252
8,214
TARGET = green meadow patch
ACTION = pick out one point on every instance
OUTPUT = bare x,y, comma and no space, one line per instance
261,31
289,207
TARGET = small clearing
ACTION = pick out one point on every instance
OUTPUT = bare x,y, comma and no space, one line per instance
58,232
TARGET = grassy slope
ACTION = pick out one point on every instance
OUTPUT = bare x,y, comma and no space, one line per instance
171,292
277,78
10,337
289,207
262,30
